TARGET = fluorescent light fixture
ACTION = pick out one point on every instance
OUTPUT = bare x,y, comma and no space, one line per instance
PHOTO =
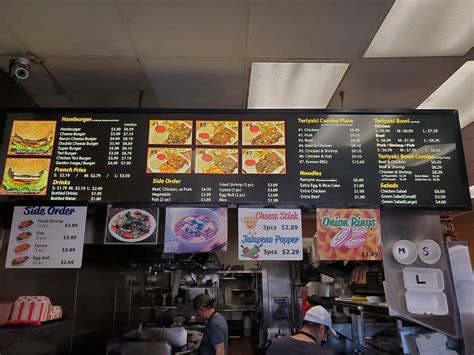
457,92
294,85
471,191
425,28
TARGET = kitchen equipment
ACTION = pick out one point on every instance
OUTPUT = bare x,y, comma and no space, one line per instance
326,289
139,348
164,299
313,288
247,326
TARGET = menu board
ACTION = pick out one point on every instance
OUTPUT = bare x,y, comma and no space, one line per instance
312,158
270,234
46,237
349,234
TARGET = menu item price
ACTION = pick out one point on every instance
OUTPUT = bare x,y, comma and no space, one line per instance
270,234
312,156
38,237
289,227
349,234
290,251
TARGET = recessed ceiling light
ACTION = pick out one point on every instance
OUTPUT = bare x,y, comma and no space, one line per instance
457,92
294,85
425,28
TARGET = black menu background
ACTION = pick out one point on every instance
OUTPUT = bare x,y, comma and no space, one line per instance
346,155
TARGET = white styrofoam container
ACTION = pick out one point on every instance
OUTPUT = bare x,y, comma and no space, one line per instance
426,302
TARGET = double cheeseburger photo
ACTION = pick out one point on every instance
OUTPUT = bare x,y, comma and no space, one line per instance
32,138
25,176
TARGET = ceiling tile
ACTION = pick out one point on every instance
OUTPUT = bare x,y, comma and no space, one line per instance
456,92
8,44
424,28
39,87
95,82
292,85
315,28
196,84
87,27
393,83
187,28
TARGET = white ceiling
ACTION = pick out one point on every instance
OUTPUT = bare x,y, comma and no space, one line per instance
199,53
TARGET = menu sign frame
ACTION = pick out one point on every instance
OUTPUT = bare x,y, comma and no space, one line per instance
403,159
46,237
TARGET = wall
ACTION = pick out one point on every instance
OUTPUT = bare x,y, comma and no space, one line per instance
464,227
11,95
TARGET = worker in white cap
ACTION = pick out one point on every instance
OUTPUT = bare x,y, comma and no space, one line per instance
309,340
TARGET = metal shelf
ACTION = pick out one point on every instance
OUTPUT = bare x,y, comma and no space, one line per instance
240,272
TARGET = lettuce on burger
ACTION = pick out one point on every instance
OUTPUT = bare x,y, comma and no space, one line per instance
32,137
26,176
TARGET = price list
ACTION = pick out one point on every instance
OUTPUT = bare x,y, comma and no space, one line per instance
91,155
306,158
46,237
411,154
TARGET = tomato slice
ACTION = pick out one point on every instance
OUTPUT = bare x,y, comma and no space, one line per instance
254,129
128,235
207,157
160,128
204,135
161,156
250,162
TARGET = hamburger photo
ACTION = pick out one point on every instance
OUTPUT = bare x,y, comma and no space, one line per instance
25,176
32,137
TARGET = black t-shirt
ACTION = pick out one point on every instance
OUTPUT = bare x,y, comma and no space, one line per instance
216,332
288,345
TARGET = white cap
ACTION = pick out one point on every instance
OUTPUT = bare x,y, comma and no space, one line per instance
318,314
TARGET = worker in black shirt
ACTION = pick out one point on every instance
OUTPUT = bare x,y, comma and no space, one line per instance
310,339
216,333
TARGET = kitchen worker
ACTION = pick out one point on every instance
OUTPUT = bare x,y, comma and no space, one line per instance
310,339
216,334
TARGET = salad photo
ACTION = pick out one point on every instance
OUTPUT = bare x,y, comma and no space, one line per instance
263,133
216,161
217,132
131,225
170,132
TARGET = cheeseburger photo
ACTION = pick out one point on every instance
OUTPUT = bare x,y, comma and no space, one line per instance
25,176
32,137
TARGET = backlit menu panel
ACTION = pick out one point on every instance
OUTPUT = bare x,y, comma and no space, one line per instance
412,159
